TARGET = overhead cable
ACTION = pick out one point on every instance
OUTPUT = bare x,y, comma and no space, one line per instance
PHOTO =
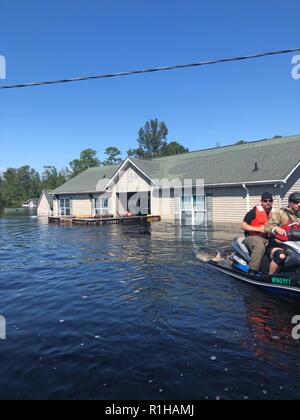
151,70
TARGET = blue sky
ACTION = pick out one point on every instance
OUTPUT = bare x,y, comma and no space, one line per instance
44,40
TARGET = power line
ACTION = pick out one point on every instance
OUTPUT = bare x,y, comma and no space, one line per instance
151,70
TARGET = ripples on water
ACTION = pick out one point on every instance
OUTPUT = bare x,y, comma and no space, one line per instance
128,312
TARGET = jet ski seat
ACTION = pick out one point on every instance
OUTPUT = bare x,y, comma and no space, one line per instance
241,249
242,246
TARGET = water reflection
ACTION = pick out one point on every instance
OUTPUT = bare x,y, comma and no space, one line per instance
18,212
270,326
129,312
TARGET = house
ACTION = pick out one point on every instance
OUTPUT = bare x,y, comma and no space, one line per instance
30,204
45,204
215,185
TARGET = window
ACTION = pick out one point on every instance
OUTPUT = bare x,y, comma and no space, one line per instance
193,210
65,207
186,203
101,206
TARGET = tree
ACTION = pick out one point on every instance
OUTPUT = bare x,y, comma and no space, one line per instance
51,179
137,153
153,142
87,160
18,185
152,138
241,142
173,148
113,154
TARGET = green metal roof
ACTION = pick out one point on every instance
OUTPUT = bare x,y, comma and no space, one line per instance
274,159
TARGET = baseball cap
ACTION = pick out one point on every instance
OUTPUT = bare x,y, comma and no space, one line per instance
267,196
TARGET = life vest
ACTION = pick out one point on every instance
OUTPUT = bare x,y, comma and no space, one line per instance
260,220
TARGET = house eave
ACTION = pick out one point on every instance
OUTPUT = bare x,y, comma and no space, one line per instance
291,173
241,183
77,192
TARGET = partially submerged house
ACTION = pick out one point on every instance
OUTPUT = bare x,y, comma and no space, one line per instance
213,185
30,204
45,204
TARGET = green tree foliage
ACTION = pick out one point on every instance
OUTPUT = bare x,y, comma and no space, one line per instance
153,138
87,160
113,156
52,179
22,184
137,153
173,148
19,185
153,143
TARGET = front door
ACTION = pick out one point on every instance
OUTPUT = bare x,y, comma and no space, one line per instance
135,203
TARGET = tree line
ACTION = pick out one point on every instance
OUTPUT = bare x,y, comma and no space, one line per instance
20,184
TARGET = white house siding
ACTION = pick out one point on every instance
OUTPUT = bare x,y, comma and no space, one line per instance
43,207
163,206
229,205
257,191
81,206
113,203
167,209
293,185
155,201
121,204
130,181
55,207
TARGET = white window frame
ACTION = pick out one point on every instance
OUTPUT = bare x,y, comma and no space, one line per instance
103,203
192,200
63,209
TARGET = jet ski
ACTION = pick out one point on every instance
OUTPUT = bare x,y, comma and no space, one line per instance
286,282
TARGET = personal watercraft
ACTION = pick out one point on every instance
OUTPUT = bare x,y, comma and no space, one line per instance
286,282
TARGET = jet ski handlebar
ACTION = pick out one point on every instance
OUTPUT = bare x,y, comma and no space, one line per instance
294,235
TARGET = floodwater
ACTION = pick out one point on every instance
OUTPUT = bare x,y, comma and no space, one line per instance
129,312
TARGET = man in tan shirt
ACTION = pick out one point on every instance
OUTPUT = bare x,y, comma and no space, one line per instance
274,226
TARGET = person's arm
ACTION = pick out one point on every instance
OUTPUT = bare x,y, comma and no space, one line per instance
248,228
273,225
246,225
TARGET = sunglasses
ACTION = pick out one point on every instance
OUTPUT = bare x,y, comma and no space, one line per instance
296,201
267,201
